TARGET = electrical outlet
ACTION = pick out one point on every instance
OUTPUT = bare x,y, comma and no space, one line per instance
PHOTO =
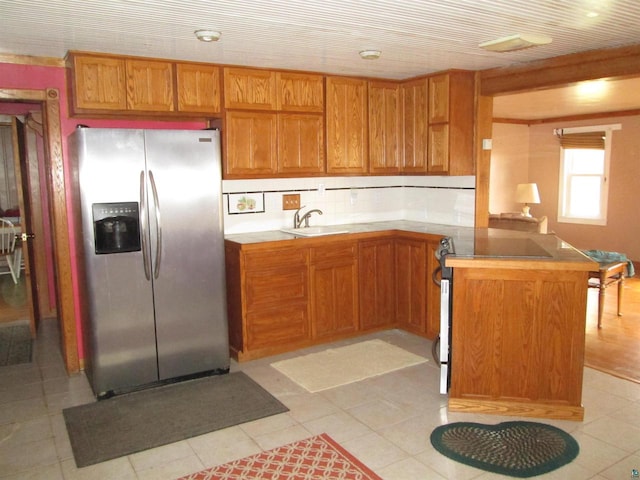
291,201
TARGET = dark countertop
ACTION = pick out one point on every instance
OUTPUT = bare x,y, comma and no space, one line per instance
477,247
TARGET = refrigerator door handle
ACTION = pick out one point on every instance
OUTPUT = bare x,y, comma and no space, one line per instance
156,267
143,228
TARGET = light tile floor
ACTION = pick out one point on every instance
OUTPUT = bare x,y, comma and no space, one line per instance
384,421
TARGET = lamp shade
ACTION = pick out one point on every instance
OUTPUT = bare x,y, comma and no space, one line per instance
527,193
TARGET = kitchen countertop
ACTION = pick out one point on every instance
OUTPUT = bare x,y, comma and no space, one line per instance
477,247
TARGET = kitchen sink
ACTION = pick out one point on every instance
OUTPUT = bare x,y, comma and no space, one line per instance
314,231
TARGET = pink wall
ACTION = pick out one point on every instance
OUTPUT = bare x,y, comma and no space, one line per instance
543,166
31,77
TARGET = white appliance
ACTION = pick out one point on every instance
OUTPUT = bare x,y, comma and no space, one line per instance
442,344
152,237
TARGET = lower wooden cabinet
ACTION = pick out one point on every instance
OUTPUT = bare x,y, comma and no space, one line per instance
411,282
267,299
315,291
519,341
377,288
334,289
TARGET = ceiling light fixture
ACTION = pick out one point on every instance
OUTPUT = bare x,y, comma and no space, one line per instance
207,35
515,42
370,54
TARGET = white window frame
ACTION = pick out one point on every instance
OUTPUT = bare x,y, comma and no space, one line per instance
604,194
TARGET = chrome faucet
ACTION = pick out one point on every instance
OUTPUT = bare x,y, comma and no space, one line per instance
297,219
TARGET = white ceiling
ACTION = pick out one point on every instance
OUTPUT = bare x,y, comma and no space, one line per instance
415,36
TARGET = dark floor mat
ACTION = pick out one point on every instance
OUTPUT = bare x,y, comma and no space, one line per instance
517,449
15,345
150,418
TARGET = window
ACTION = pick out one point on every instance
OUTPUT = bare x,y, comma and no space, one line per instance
584,174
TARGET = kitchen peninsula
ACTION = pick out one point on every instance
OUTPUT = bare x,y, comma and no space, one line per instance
519,304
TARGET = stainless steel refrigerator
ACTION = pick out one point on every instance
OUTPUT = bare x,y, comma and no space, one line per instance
153,286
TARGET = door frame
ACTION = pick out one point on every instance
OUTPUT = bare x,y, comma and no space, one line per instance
54,164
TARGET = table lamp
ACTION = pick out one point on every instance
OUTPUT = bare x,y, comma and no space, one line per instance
527,193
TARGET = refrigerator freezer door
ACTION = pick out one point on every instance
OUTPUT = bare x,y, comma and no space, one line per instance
185,220
120,348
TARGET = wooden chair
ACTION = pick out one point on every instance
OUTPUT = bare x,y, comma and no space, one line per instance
608,274
8,246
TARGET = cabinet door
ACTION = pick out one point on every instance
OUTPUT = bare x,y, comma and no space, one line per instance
346,117
415,123
384,127
198,88
99,83
250,147
149,86
377,289
334,289
300,92
300,143
248,88
411,284
438,148
439,99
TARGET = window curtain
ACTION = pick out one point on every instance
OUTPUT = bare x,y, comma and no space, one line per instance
592,140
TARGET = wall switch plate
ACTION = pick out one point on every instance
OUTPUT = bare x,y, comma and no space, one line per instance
291,201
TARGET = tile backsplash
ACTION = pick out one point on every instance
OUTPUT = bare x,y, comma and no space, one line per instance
444,200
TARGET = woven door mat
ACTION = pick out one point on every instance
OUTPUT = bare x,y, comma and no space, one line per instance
517,449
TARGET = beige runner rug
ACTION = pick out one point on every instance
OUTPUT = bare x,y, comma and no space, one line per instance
341,366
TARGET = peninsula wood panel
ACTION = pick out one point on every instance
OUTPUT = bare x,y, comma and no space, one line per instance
518,338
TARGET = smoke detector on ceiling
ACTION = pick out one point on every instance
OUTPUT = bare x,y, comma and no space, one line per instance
515,42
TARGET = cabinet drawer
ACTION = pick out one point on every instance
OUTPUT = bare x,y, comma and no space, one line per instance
285,258
345,251
266,287
278,326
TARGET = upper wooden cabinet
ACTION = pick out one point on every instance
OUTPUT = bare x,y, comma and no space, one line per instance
98,82
149,86
255,89
248,88
109,85
250,144
451,123
198,87
300,143
385,127
300,92
415,123
346,119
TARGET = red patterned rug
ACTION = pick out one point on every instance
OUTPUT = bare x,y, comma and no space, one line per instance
318,457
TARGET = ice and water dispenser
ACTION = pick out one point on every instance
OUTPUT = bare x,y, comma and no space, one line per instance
116,227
